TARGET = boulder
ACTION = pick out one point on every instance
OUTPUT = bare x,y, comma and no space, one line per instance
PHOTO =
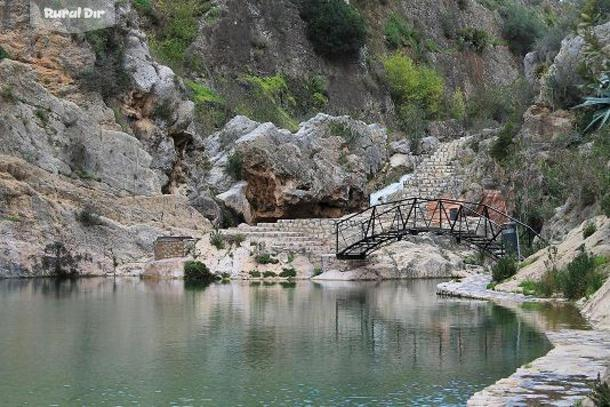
424,256
543,125
320,171
402,160
400,147
235,198
428,145
531,66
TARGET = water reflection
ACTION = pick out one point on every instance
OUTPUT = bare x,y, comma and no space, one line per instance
99,341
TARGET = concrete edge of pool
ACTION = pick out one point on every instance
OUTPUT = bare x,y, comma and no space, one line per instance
561,377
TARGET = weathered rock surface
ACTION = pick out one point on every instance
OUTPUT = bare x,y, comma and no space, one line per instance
564,70
543,125
237,260
50,223
60,137
597,308
417,257
311,173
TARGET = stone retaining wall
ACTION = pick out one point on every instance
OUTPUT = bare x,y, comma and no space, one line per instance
172,247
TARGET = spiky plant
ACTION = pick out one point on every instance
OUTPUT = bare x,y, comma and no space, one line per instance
600,103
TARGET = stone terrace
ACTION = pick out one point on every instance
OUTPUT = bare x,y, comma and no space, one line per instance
311,237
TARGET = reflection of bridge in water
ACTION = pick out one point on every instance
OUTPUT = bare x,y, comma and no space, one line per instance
490,230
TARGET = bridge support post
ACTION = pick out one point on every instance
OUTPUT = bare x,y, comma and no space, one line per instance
510,238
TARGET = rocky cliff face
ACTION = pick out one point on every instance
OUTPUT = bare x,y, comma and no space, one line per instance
100,154
85,163
269,37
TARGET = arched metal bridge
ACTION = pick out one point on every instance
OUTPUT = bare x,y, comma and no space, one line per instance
488,229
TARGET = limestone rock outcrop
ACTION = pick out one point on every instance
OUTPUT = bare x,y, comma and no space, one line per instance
424,256
564,70
88,165
322,170
51,224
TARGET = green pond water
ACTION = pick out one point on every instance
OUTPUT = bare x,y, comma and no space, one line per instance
128,342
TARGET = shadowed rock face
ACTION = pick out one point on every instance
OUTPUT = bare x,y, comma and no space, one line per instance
322,170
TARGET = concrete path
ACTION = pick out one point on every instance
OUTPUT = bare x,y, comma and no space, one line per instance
560,378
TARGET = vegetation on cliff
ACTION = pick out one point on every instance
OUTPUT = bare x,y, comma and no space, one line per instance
582,277
334,27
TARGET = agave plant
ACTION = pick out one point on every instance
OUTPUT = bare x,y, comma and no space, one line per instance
600,102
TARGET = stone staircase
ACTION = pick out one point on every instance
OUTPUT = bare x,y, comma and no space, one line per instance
436,176
311,237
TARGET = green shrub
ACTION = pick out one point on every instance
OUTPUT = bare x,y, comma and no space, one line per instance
3,54
236,239
548,284
197,271
144,7
317,271
88,217
255,273
475,259
217,240
288,273
457,108
505,268
412,84
412,121
176,30
499,103
588,230
43,116
521,28
265,258
7,93
475,39
202,95
334,27
107,77
269,274
342,130
501,148
399,33
529,287
235,166
601,393
581,278
595,12
268,99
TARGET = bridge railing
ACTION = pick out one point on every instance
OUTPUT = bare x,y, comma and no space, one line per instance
476,223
